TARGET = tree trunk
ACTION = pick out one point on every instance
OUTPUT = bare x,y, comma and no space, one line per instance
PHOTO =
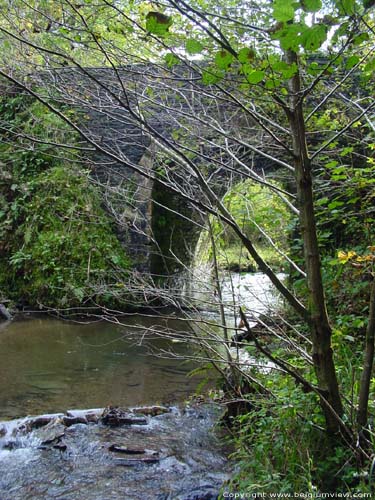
320,328
368,361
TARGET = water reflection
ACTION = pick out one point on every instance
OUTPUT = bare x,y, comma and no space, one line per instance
48,365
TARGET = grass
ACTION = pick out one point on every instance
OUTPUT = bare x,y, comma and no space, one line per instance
236,258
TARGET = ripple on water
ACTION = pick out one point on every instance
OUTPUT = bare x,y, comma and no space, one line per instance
190,456
50,365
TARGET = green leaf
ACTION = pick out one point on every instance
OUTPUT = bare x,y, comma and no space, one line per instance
272,84
347,150
245,55
157,23
255,77
312,38
362,37
289,36
352,201
311,5
322,201
283,10
116,259
314,69
223,59
171,59
332,164
79,293
343,29
210,78
6,45
346,7
193,46
335,204
351,62
286,70
370,66
333,262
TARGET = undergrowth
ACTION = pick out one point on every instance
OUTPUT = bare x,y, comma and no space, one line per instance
58,246
282,447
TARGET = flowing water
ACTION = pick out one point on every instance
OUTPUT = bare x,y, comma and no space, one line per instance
49,366
79,462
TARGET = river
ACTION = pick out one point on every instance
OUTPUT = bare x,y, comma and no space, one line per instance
49,366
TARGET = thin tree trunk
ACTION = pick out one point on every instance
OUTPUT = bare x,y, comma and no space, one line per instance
368,362
231,362
320,329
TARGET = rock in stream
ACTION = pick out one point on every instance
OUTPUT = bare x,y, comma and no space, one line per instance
151,453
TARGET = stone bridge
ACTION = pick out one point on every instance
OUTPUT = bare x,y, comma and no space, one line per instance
119,111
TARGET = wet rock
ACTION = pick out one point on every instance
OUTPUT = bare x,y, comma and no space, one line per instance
240,268
42,420
51,433
114,417
133,462
60,446
3,431
175,457
205,492
152,411
174,466
131,451
4,313
10,445
68,421
92,416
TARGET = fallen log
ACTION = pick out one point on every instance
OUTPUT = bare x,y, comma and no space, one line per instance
68,421
43,420
115,421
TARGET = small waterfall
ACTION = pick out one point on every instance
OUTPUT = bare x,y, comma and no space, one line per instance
16,435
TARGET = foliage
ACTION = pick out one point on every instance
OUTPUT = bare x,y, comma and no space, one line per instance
277,450
344,201
257,207
281,445
58,245
261,215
